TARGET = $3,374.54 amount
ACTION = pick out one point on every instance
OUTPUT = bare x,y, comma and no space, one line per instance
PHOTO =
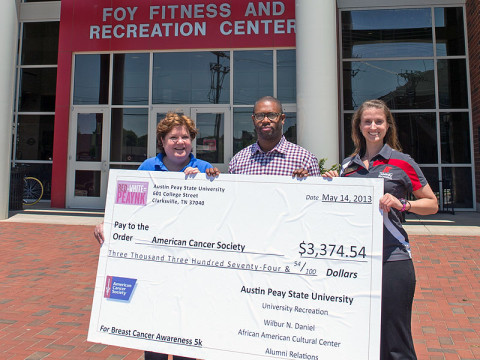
331,250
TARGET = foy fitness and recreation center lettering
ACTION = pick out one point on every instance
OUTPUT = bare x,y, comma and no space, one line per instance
186,20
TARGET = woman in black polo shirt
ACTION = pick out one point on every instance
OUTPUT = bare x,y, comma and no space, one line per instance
378,155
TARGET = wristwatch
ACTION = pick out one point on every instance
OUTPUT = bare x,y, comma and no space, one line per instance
404,204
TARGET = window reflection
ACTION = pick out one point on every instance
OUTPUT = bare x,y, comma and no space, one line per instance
87,183
91,79
129,135
253,75
42,172
191,78
243,130
37,89
348,146
459,179
411,85
431,174
452,83
387,33
414,126
210,137
35,137
449,31
455,138
290,127
402,84
130,79
89,137
40,43
286,76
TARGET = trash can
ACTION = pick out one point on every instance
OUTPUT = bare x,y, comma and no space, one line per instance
16,188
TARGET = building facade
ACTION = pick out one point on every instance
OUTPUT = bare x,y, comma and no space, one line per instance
94,78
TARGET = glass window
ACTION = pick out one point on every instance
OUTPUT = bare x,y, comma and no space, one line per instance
42,172
191,78
348,146
124,167
387,33
243,130
87,183
290,127
286,76
402,84
210,137
130,79
129,135
89,137
431,174
91,79
35,137
457,183
449,31
414,126
452,84
40,43
253,75
37,89
455,138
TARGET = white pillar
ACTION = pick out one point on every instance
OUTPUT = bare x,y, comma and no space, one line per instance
317,78
8,46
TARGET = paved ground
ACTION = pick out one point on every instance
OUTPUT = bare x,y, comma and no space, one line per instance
47,276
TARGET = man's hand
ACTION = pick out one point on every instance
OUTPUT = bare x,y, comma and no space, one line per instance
98,233
212,172
300,173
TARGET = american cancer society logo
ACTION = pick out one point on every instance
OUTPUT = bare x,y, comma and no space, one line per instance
132,192
119,288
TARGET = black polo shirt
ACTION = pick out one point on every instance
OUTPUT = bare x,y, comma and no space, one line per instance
401,175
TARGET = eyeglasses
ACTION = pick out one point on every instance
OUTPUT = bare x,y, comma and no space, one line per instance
271,116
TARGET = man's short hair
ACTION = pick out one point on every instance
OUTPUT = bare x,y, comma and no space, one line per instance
270,99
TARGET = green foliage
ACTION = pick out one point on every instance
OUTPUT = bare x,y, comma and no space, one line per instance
321,165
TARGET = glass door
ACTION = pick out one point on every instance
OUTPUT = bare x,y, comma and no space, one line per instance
88,158
214,139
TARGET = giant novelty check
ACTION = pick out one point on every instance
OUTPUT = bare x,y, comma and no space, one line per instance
240,267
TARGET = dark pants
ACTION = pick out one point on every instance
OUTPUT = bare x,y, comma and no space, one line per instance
398,288
155,356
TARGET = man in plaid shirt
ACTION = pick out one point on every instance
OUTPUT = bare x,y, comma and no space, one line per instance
272,154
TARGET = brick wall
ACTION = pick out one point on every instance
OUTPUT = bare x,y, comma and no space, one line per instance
473,29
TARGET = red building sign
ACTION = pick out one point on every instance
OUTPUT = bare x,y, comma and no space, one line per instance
141,25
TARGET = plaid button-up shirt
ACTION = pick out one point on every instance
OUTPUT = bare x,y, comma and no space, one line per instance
283,159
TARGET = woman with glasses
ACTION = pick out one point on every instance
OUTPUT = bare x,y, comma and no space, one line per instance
378,155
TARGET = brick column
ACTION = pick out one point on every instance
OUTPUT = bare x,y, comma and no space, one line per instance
473,29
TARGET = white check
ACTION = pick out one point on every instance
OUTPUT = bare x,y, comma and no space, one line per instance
240,267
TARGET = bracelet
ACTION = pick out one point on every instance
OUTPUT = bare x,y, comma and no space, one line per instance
408,202
404,204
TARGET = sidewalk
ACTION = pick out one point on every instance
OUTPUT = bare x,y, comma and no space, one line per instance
462,223
48,269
